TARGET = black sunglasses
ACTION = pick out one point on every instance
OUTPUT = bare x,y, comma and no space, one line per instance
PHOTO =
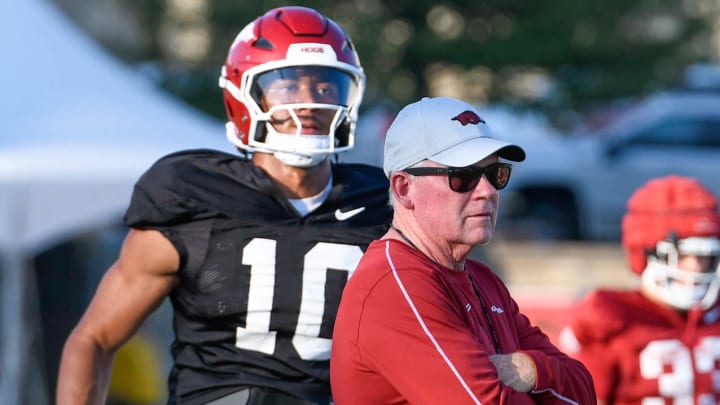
464,179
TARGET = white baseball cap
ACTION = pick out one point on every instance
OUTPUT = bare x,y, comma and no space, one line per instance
445,130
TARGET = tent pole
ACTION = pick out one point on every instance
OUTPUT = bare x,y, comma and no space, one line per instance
13,327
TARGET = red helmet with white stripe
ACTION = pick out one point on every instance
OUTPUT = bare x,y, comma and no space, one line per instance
292,85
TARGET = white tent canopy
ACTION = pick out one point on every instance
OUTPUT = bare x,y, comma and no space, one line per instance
77,128
75,121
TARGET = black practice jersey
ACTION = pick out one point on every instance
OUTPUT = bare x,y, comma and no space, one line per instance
259,284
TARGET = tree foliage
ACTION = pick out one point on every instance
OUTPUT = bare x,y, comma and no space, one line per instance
555,56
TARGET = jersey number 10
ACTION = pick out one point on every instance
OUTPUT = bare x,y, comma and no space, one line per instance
259,254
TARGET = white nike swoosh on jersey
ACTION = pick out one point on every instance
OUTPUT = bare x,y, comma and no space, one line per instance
344,215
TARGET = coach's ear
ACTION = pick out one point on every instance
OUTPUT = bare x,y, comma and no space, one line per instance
401,188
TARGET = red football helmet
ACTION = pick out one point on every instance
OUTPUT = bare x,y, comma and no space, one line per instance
261,86
668,218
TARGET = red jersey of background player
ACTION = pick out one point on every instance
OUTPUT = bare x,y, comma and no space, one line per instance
638,350
659,344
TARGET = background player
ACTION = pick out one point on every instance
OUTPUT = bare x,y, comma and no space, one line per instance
253,254
661,343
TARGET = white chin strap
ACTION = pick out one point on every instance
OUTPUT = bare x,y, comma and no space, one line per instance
280,141
297,149
275,141
292,159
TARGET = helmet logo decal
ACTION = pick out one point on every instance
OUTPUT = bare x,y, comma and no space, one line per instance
311,52
468,117
312,49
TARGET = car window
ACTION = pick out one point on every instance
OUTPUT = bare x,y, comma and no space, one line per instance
685,133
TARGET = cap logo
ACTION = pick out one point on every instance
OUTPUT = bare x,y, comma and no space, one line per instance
468,117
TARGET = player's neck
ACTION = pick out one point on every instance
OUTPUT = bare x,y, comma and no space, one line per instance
295,182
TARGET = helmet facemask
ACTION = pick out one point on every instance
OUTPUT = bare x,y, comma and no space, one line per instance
684,289
297,149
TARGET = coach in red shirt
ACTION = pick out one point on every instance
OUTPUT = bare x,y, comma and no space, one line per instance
419,323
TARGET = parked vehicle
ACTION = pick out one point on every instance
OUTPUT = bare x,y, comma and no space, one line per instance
577,186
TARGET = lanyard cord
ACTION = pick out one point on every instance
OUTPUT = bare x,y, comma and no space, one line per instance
477,292
487,316
396,229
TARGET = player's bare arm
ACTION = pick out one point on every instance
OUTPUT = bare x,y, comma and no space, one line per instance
134,286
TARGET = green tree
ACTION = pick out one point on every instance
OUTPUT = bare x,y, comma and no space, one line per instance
554,56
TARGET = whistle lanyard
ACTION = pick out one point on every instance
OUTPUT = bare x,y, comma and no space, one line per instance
487,316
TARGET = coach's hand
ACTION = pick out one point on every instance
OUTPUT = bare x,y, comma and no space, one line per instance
516,370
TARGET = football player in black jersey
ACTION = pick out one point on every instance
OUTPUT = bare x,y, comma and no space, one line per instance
253,251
